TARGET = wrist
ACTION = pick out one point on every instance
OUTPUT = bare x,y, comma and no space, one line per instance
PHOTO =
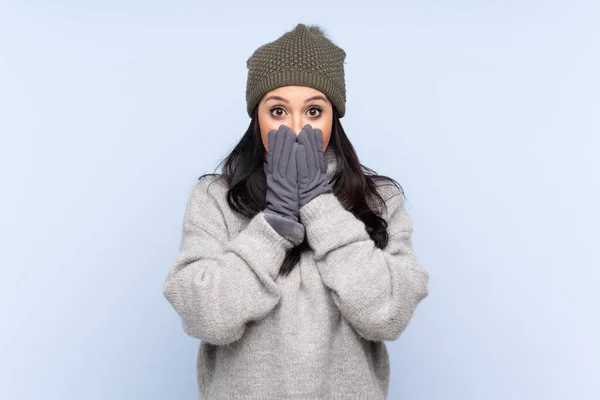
292,217
308,196
288,228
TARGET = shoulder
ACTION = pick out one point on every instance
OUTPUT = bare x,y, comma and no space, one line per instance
205,213
209,185
208,192
391,194
394,211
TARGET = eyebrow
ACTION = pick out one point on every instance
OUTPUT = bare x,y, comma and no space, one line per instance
317,97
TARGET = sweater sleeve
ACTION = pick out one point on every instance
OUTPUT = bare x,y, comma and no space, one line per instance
377,290
217,284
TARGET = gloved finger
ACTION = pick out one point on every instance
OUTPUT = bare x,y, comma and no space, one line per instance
302,162
320,153
289,138
292,167
316,161
319,140
278,147
270,144
304,139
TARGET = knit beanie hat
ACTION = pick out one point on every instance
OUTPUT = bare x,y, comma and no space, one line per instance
302,56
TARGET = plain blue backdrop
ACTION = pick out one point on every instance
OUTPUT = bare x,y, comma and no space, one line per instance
486,113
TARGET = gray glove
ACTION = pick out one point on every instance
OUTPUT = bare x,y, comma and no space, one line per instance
280,167
312,165
281,172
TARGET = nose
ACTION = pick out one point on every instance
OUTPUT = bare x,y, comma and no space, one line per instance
297,125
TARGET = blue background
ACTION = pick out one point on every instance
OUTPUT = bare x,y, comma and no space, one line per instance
486,113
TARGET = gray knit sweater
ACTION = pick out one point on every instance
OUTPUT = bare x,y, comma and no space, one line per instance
316,334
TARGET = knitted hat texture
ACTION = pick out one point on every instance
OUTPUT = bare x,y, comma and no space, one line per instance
302,56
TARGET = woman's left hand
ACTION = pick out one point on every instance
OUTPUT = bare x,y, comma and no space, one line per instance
312,165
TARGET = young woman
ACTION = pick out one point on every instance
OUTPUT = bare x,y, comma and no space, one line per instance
296,262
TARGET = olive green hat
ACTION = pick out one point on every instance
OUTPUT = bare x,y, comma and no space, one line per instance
302,56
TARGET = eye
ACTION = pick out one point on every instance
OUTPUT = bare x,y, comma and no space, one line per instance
277,112
276,115
319,109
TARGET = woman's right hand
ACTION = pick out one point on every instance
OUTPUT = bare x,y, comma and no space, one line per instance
281,173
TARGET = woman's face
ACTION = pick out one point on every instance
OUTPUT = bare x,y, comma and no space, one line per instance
295,106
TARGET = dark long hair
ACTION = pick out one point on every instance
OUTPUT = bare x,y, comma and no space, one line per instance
353,184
